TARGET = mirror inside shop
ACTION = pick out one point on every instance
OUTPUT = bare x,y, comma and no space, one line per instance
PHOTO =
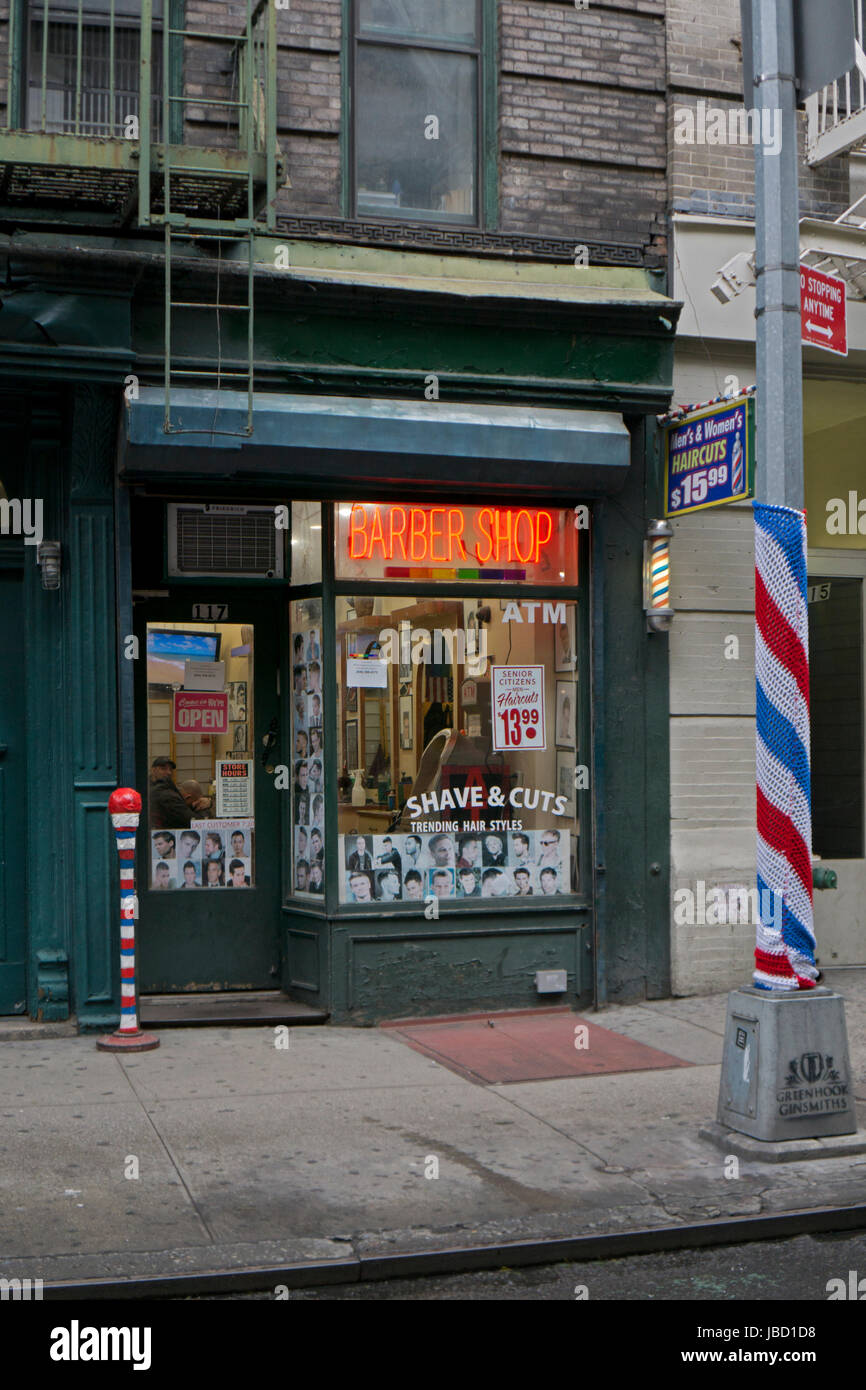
200,751
457,752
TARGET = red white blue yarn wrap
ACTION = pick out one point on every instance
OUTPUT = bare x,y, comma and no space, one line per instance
124,818
785,947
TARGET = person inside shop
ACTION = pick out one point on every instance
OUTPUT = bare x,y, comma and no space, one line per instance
494,852
316,883
239,878
494,883
167,806
163,843
189,844
549,881
523,882
302,870
442,882
360,887
214,874
213,846
239,843
442,850
388,885
413,886
360,857
189,876
317,849
551,852
200,805
470,852
469,885
390,855
162,876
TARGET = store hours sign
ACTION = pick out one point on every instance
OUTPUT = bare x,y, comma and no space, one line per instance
517,694
710,457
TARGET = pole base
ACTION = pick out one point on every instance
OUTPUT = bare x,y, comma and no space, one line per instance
127,1042
785,1069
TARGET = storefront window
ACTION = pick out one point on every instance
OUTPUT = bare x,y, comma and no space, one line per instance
306,543
308,760
200,742
456,721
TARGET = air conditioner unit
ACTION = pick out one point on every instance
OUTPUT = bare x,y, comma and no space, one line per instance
216,540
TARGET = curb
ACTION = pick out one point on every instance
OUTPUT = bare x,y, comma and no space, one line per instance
457,1260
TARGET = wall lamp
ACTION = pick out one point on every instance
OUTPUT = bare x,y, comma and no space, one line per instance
48,556
657,577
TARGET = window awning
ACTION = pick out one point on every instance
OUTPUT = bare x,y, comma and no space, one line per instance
323,441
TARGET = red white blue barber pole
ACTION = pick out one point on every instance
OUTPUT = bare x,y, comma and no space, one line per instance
785,948
124,805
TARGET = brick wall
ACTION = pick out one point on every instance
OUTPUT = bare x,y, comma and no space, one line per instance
704,65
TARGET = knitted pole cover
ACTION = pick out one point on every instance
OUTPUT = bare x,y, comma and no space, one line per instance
785,948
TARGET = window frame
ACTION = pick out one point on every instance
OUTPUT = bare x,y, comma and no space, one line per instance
26,11
484,51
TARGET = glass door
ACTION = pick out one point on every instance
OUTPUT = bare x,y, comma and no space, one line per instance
208,867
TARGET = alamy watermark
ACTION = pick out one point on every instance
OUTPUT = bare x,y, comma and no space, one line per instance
735,125
733,905
22,517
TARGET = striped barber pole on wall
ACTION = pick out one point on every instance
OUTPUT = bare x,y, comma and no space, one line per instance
785,948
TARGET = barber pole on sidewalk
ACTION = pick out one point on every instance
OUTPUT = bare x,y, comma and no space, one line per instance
124,805
785,947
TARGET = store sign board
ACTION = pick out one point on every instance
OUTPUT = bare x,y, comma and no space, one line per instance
503,544
234,788
823,311
199,713
710,457
517,694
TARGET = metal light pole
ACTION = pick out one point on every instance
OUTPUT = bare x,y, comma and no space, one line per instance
785,1069
779,476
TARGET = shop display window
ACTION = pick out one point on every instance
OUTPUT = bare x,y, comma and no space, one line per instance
456,723
200,714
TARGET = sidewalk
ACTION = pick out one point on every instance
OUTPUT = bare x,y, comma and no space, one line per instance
250,1155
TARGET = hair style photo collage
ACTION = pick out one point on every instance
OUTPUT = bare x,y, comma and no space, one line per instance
468,864
210,854
308,763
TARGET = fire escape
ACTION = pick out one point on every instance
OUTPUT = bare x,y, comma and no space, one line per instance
100,131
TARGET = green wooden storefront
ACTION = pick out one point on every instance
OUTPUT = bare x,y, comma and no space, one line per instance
82,357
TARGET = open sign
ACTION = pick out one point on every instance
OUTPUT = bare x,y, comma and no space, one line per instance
197,712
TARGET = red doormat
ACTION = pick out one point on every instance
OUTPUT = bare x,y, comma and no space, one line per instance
534,1045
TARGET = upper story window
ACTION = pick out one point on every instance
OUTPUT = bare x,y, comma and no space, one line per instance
417,109
83,71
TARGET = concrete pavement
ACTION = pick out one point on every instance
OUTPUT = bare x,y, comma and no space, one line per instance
221,1151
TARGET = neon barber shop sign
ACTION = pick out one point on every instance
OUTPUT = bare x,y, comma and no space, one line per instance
506,543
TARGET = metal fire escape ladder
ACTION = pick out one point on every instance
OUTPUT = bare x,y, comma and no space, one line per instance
212,203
